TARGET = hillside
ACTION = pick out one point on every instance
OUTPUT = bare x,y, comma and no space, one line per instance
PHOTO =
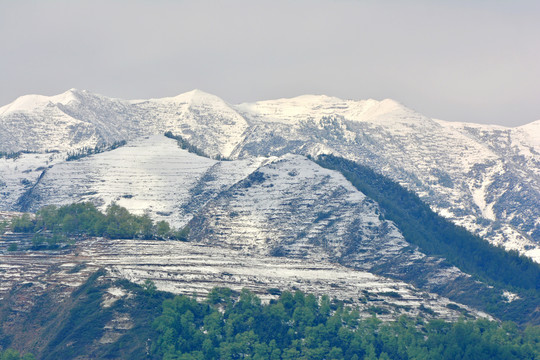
254,198
485,178
285,207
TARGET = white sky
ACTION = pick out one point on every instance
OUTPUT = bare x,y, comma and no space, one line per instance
475,61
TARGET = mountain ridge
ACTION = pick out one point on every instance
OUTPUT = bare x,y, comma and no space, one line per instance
485,178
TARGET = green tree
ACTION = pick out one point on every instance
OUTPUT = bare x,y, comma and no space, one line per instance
3,226
22,223
163,230
150,287
146,226
231,326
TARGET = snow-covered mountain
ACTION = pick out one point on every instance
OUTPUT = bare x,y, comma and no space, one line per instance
267,207
486,178
150,174
77,119
71,120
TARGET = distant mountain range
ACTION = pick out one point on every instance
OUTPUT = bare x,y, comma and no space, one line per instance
485,178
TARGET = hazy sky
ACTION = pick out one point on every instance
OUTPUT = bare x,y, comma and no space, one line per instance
475,61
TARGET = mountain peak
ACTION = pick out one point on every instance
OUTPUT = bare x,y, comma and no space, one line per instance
30,103
68,96
194,96
199,96
25,103
391,103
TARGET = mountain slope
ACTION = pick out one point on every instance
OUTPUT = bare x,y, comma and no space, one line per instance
485,178
149,174
285,207
77,119
490,190
435,235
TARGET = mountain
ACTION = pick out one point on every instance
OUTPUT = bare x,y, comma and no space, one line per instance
77,119
285,207
71,120
265,197
207,121
485,178
273,198
490,187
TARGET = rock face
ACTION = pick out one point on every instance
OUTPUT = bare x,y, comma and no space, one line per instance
486,178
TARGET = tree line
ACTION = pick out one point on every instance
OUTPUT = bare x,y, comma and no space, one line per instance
87,151
54,225
11,354
186,145
229,325
435,235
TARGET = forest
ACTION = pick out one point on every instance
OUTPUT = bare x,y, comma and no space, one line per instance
53,225
11,354
231,325
435,235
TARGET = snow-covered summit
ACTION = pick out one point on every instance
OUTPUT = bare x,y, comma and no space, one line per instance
194,96
77,119
30,103
530,134
294,110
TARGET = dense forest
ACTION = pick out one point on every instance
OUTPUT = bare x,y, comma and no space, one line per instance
232,324
54,225
435,235
300,326
11,354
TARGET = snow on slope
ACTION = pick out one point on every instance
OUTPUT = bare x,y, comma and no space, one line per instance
71,120
485,178
279,206
204,119
190,268
507,190
18,175
529,135
291,207
148,174
282,199
77,119
31,103
313,107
